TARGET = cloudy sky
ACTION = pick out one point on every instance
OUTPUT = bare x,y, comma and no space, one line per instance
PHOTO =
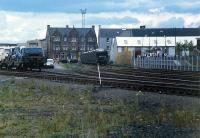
22,20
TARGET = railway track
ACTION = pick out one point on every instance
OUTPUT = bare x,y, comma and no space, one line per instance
182,75
151,83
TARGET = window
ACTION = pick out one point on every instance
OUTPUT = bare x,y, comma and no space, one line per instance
82,39
125,42
82,48
139,42
123,49
155,42
169,42
73,48
65,48
65,38
56,38
57,48
119,49
107,40
90,39
73,39
108,47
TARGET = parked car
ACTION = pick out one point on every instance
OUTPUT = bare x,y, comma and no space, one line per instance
73,61
64,61
49,63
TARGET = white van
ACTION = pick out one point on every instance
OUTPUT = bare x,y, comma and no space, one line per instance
49,63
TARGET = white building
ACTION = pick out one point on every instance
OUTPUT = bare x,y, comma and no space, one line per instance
141,41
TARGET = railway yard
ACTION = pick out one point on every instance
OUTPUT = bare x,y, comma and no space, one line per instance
67,101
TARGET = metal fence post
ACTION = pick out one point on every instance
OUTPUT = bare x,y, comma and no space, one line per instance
197,63
192,64
156,62
180,62
188,62
142,62
184,63
172,63
176,62
149,62
153,62
161,62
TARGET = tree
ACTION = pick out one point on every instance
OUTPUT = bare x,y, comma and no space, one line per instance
178,48
185,46
191,47
124,57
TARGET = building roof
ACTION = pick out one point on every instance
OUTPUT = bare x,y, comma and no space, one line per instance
152,32
166,32
65,31
106,32
125,41
7,44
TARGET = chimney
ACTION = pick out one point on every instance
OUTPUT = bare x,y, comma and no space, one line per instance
142,27
93,27
67,26
48,26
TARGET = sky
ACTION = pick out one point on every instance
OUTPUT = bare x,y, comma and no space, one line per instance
22,20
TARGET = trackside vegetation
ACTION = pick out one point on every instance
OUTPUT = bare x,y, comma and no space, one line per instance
31,109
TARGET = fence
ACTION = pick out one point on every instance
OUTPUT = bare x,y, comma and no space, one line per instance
184,63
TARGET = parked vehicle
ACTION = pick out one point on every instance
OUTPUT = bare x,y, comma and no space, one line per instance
73,61
99,56
49,63
4,52
64,61
25,58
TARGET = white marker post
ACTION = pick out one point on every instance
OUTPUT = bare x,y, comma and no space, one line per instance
99,74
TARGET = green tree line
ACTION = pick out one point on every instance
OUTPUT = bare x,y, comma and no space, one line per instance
184,47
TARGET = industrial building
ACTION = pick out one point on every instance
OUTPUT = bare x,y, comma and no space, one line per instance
143,40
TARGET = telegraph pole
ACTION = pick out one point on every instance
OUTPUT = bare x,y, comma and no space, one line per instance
83,12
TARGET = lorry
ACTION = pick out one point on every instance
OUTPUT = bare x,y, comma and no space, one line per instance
24,58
